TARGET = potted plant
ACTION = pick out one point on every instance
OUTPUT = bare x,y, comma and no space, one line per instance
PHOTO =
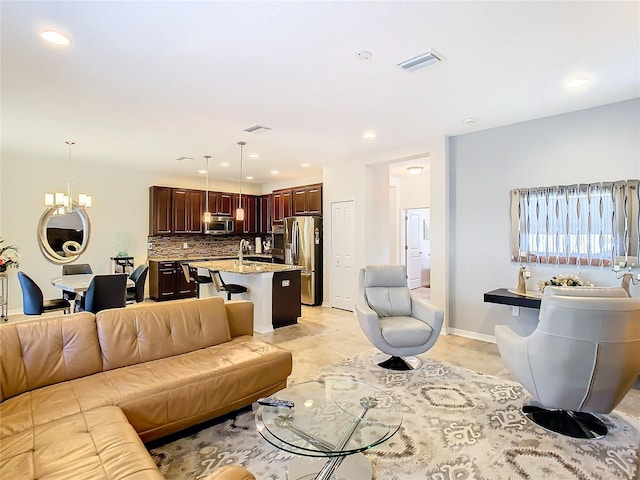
8,256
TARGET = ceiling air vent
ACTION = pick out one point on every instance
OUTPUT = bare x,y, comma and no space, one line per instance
420,61
257,129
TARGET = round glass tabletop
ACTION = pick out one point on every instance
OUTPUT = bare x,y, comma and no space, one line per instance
332,417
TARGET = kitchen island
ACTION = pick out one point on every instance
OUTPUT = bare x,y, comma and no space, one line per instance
274,289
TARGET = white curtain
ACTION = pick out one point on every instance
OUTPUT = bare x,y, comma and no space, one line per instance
587,224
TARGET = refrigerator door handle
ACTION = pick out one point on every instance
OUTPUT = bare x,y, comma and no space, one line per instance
294,243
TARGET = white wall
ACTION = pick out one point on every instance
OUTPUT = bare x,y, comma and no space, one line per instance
599,144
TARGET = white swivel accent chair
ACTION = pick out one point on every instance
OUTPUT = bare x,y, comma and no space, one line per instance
392,320
582,358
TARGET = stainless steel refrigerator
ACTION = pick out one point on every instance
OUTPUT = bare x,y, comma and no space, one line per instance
303,247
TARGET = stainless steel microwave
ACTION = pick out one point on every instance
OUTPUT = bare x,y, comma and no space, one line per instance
220,226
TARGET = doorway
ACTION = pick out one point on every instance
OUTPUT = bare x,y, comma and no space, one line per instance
417,246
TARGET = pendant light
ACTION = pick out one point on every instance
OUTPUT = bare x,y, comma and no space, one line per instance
207,213
240,210
64,202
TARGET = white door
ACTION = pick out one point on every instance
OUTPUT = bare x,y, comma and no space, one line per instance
344,282
412,249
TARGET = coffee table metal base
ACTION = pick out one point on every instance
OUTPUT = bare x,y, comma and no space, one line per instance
353,467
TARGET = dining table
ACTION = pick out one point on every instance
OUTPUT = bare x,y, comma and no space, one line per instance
78,283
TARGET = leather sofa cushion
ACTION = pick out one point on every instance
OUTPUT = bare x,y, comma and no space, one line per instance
37,353
165,391
404,331
231,472
136,335
95,445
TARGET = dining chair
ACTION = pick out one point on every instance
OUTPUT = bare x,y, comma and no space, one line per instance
106,291
33,302
139,277
75,269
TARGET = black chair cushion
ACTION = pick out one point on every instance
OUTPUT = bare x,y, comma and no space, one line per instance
55,304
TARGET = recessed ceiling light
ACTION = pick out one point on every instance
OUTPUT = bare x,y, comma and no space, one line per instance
369,135
55,37
202,171
421,61
364,55
224,164
417,170
254,155
274,172
305,165
249,177
577,82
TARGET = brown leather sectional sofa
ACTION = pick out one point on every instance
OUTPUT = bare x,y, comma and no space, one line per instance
80,393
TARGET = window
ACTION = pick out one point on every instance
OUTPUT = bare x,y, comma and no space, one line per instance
589,224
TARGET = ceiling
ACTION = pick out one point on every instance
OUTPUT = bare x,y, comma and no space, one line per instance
146,82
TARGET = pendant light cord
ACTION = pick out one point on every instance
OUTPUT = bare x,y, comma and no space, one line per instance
69,176
242,144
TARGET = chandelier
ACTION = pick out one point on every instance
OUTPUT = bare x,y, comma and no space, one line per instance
63,202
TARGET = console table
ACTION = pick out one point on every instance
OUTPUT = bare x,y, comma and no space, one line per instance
505,297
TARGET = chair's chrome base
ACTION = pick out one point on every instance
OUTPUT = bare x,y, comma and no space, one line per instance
352,467
565,422
396,363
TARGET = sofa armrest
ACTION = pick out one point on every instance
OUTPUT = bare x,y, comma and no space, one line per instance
240,317
231,472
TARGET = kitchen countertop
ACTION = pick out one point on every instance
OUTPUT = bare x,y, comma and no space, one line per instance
248,267
266,256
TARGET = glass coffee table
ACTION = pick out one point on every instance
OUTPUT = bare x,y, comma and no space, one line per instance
333,420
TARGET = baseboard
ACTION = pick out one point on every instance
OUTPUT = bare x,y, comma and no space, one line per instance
474,335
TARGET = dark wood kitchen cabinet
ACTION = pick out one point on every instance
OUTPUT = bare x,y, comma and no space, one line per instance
167,282
264,214
307,200
221,204
250,222
281,202
160,214
188,210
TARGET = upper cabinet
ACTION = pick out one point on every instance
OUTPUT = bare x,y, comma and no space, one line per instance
160,214
188,210
307,200
221,203
181,210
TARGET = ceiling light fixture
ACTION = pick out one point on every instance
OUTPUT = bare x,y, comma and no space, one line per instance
469,121
305,165
202,171
64,203
577,82
224,164
369,135
417,170
364,55
183,158
421,61
254,155
58,38
274,172
240,210
207,213
248,177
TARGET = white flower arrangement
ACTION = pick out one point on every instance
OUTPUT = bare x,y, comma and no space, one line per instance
565,280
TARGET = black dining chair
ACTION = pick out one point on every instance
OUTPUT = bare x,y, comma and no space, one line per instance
230,288
75,269
33,302
106,291
139,277
192,275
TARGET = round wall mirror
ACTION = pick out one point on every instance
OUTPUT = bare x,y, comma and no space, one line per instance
63,238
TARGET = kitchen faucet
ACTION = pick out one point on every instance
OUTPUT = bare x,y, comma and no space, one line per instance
241,253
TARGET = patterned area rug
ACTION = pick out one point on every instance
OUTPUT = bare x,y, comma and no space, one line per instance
458,424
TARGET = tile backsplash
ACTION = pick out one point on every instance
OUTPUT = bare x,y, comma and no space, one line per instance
198,246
